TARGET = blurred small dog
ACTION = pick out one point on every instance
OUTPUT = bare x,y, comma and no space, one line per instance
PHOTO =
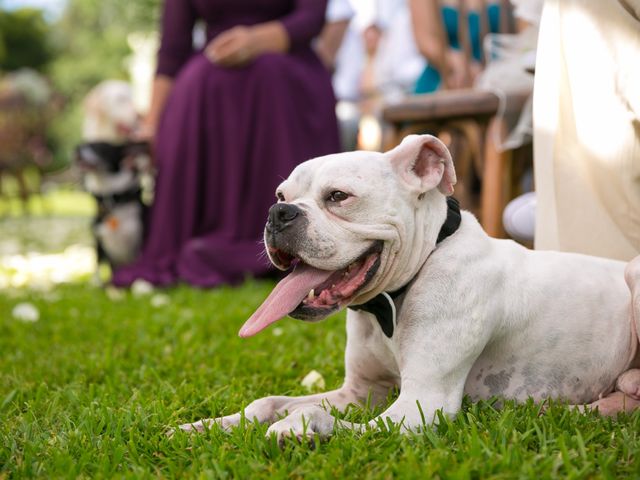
110,114
116,171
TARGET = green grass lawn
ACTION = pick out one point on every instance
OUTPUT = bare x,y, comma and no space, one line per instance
90,388
59,202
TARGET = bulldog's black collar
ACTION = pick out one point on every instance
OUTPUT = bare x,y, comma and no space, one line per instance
452,221
383,305
132,194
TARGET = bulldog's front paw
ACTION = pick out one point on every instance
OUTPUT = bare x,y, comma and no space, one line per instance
303,425
226,423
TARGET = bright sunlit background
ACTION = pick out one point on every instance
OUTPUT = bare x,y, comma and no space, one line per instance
58,50
52,9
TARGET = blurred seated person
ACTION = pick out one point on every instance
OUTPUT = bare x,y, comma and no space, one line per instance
586,135
228,123
370,48
340,47
587,128
396,62
371,51
437,30
337,20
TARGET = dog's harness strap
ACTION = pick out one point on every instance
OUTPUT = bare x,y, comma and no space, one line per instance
383,305
121,197
384,309
107,202
113,153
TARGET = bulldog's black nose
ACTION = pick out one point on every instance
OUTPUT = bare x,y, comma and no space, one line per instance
281,215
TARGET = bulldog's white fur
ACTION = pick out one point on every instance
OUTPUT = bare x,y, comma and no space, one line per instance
481,316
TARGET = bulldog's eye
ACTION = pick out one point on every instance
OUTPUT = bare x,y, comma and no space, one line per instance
280,196
337,196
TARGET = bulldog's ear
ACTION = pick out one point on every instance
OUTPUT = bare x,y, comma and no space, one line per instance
424,162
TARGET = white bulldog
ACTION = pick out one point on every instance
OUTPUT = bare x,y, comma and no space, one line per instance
469,314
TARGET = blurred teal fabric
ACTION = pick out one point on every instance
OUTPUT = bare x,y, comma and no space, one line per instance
430,80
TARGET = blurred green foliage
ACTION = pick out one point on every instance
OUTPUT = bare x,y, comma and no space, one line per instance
91,40
86,45
24,40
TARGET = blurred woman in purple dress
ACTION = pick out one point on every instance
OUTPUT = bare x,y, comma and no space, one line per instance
228,124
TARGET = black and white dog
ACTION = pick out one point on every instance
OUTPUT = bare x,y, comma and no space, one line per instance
115,170
114,174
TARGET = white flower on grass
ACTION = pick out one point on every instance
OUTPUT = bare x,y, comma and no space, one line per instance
140,288
26,312
313,381
159,300
51,297
277,331
114,294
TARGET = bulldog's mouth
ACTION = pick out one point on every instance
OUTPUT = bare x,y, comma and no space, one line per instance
309,293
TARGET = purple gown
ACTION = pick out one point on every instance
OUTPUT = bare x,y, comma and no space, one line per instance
227,138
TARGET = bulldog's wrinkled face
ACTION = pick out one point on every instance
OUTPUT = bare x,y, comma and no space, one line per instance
347,224
336,216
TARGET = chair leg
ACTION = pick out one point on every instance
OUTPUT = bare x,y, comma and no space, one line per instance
495,181
391,136
462,151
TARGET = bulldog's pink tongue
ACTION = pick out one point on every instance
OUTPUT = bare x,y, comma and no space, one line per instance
289,292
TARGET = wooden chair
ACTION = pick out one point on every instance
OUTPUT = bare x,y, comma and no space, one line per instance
467,121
